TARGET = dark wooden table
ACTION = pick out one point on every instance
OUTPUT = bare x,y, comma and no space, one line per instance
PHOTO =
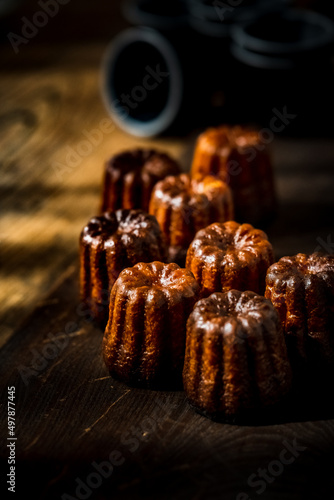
70,415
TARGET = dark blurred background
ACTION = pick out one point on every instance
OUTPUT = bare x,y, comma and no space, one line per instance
223,78
87,21
77,20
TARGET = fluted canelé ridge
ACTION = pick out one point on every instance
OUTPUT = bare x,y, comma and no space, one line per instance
236,361
109,243
144,340
130,176
301,287
226,256
183,206
238,156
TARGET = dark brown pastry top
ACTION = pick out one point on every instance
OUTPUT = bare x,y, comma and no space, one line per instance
239,253
131,175
234,241
175,190
100,227
224,139
302,267
168,278
147,161
235,313
132,230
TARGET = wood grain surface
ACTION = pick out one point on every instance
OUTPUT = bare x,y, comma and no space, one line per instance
50,186
71,415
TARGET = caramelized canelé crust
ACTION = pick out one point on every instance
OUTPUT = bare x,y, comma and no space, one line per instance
144,340
130,177
228,255
183,205
301,288
239,157
109,243
236,361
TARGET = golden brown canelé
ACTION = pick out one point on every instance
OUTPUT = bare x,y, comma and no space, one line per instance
236,365
109,243
144,340
225,256
238,156
301,287
130,176
183,206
